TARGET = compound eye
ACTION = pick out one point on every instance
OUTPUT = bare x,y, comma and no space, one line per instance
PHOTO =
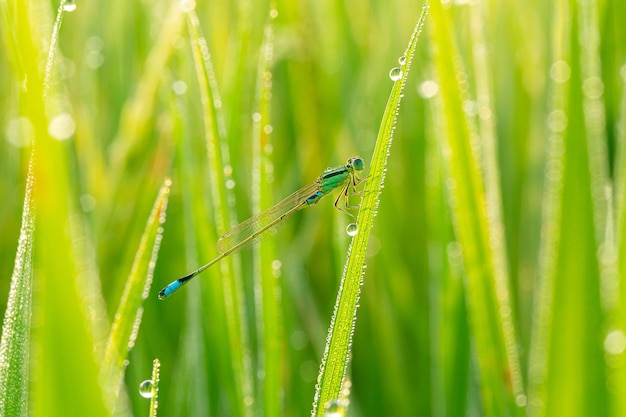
357,164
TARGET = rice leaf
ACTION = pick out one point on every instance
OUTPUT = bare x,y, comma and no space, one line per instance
337,351
15,343
487,291
129,312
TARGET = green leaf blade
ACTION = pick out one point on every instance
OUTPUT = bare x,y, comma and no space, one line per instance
14,346
336,354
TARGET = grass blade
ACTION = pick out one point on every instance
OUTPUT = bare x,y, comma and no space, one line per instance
568,297
267,290
487,291
223,201
150,388
14,347
601,193
60,315
616,335
552,203
128,315
337,350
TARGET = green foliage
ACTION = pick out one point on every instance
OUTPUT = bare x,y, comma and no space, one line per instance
331,390
494,281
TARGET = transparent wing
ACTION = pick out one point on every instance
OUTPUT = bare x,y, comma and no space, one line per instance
270,217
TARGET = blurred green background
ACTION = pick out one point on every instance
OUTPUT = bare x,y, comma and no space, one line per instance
125,74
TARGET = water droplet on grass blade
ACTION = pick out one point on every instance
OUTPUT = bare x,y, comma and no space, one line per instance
593,87
146,389
179,87
428,89
19,132
557,121
276,268
615,342
560,71
395,74
69,5
402,60
335,408
352,229
62,127
186,6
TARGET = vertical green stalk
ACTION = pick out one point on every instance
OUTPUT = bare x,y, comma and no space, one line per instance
63,338
130,310
551,217
193,386
223,202
566,355
616,354
478,229
602,192
267,289
491,175
338,347
14,347
154,400
15,342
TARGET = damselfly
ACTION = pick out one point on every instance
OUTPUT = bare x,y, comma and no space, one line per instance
252,230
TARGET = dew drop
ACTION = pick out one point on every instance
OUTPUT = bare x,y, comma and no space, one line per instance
273,13
94,59
146,389
187,6
94,43
557,121
395,74
179,87
335,408
402,60
88,202
19,132
352,229
428,89
69,5
470,107
276,268
593,87
615,342
560,71
62,127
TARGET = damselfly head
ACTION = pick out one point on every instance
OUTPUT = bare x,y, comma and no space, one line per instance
356,163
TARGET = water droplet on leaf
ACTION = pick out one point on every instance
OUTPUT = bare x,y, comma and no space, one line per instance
335,408
187,6
69,5
146,389
395,74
